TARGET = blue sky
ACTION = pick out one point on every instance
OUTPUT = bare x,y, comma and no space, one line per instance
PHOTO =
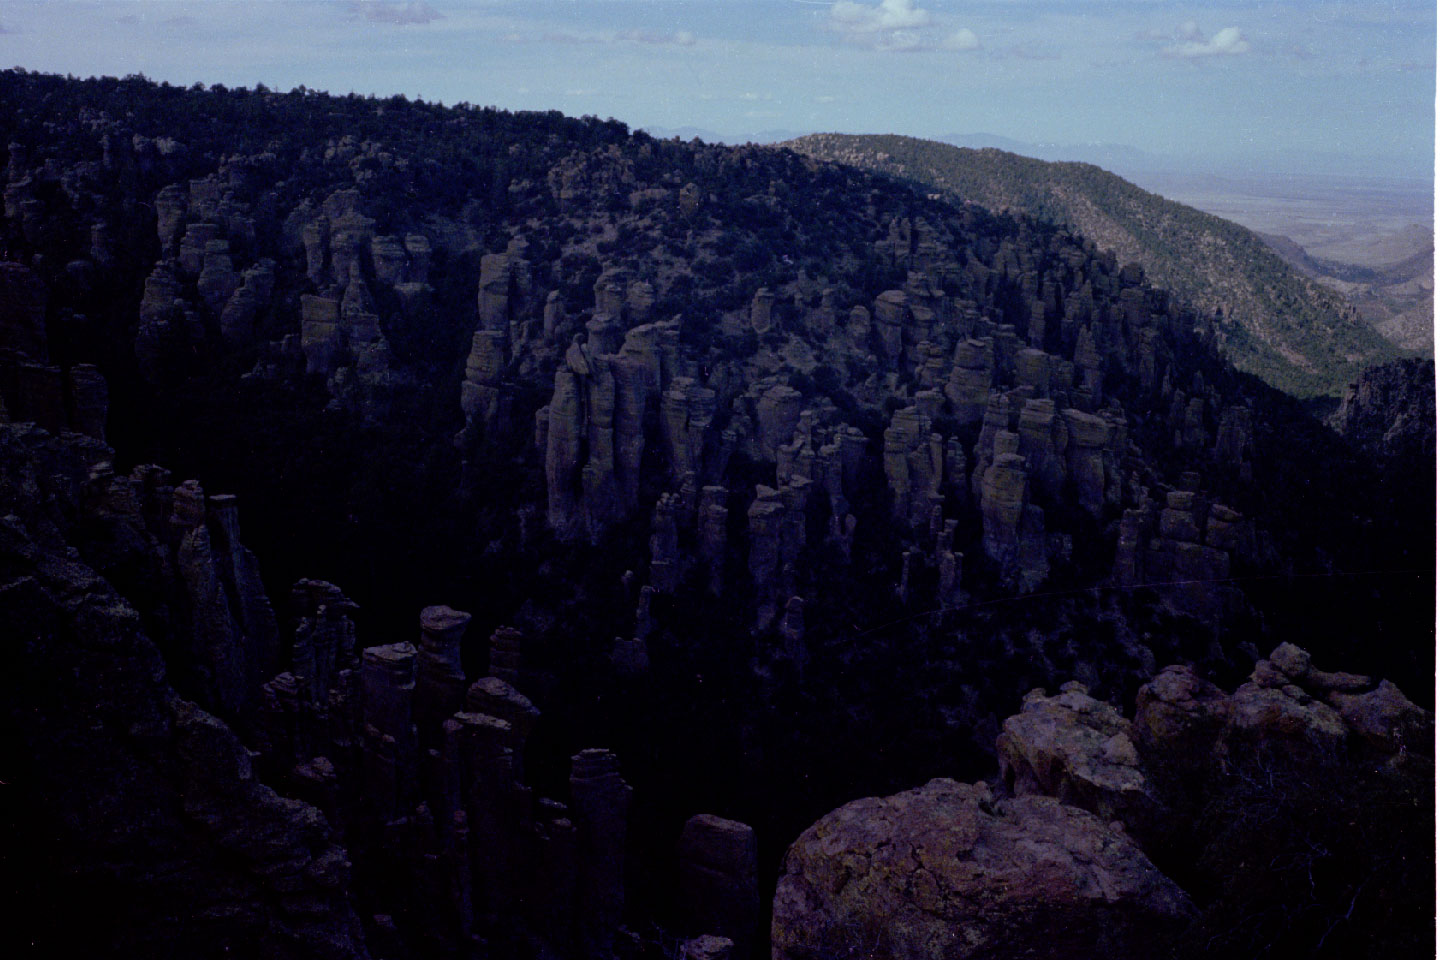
1348,85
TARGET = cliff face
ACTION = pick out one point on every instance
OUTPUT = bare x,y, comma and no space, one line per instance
1390,411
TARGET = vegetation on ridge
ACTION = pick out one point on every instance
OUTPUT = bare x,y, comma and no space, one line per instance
1271,320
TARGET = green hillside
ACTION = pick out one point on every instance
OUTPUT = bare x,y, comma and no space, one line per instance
1274,322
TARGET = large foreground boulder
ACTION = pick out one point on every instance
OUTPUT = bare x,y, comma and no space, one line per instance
946,871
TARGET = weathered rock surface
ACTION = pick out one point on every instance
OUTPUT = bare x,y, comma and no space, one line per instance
1080,751
948,871
1187,733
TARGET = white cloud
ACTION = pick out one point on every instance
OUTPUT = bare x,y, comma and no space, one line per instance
897,26
962,39
1192,43
852,17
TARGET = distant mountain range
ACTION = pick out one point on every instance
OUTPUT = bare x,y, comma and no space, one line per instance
1109,155
1128,160
1276,322
713,136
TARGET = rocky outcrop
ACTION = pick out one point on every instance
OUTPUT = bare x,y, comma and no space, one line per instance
440,687
481,390
89,398
686,412
181,552
407,752
217,280
243,309
949,871
1187,735
496,299
1014,527
762,308
391,745
915,467
777,414
776,523
1390,411
970,379
1080,751
168,327
224,615
601,801
148,796
594,426
708,947
1179,715
320,334
171,205
717,880
22,312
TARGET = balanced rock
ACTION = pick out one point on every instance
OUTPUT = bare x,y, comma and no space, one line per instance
439,677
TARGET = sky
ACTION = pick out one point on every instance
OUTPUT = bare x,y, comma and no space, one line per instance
1344,87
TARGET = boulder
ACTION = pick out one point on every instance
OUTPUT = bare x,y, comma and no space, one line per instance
1385,718
1178,716
1080,751
947,871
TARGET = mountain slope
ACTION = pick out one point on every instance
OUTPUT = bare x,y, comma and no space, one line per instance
1279,324
1397,298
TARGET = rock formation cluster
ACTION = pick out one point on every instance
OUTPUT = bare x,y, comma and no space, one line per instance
685,458
152,795
1056,858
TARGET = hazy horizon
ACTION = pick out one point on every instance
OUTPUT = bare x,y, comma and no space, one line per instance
1343,88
